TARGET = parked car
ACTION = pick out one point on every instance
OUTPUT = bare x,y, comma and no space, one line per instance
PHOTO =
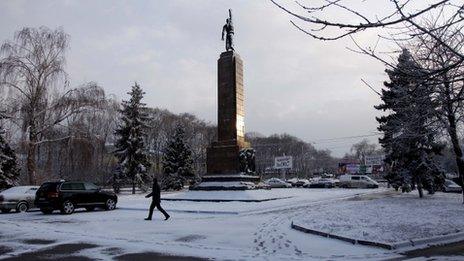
296,182
451,186
292,181
322,183
67,196
262,185
277,183
357,181
20,198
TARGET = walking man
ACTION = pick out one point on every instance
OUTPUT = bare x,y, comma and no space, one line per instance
156,201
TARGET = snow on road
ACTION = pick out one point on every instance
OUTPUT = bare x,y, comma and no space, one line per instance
258,231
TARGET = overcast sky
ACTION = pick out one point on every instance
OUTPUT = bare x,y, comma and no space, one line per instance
293,84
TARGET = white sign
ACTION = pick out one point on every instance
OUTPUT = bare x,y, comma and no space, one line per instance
284,162
372,160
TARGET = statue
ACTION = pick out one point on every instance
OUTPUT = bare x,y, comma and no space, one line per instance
247,161
228,28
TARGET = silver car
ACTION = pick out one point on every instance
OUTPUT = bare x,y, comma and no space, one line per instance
451,186
20,198
277,183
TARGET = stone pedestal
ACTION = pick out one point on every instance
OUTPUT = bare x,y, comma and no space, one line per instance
222,156
222,161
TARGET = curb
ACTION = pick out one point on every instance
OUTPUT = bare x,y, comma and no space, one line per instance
224,200
455,237
436,239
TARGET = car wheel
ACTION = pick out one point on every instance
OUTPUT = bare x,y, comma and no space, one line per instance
46,211
6,210
22,207
67,208
110,204
90,208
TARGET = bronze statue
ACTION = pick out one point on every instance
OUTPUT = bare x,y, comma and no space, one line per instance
247,161
228,28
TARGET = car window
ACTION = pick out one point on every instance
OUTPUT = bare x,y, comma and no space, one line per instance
355,178
66,186
72,186
90,186
77,186
49,186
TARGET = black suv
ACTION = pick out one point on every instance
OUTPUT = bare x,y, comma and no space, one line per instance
69,195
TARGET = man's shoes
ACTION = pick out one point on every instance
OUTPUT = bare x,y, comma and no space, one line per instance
167,217
148,219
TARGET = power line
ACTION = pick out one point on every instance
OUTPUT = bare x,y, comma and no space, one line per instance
345,138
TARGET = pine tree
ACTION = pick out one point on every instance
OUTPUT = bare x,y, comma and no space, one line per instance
177,161
409,136
130,146
9,171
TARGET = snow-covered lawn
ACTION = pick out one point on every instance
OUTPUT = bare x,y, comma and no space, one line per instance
388,219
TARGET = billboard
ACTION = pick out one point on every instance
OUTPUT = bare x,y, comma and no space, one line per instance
374,160
283,162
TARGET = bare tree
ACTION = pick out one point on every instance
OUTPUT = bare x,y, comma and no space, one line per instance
400,22
448,86
362,149
404,19
32,68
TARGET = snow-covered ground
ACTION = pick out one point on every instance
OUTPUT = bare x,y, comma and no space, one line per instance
223,230
295,197
388,219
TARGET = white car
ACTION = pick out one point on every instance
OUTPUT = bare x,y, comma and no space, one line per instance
277,183
296,182
451,186
20,198
321,183
357,181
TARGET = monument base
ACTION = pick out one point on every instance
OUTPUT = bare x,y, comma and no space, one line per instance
227,182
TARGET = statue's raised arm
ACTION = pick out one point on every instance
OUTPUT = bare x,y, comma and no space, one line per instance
230,16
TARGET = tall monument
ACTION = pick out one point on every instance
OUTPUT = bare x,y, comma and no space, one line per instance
230,158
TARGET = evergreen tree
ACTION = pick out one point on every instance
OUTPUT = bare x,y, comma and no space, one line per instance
9,171
177,161
409,136
130,146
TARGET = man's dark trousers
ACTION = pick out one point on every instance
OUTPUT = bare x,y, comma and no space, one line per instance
156,204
